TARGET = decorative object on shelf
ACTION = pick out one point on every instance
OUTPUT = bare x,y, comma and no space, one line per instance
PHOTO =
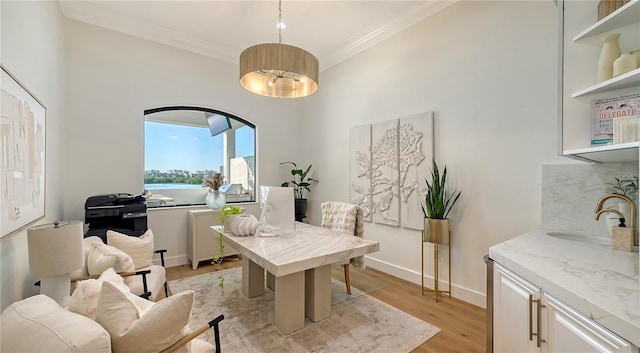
437,205
606,7
636,53
606,111
609,53
215,198
300,183
279,70
624,64
55,250
23,193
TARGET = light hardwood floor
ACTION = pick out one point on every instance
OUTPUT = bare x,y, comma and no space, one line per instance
463,325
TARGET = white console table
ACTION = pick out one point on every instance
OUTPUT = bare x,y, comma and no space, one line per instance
201,241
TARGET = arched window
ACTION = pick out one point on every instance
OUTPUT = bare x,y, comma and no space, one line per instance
183,145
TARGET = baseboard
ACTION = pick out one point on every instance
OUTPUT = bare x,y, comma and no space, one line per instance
173,261
458,292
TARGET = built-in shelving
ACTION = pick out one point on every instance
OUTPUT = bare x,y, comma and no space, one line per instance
626,18
626,15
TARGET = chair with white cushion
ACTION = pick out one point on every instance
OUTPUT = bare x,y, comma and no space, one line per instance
128,255
348,219
121,323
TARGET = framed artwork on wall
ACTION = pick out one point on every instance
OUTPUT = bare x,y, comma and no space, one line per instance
389,161
22,155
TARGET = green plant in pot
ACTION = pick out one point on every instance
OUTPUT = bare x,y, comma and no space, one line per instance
225,212
301,184
437,205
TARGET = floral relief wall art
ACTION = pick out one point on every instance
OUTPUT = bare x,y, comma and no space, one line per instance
389,161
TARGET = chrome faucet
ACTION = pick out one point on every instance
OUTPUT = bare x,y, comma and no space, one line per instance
632,206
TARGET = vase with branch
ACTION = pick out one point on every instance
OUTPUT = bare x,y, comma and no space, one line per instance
215,198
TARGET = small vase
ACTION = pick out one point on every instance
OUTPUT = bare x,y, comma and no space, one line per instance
610,52
624,64
215,199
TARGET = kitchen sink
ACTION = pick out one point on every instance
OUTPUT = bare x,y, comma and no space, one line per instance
580,238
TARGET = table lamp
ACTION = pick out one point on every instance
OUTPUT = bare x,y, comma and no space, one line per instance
55,250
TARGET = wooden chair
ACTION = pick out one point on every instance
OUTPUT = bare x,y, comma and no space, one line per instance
348,219
213,323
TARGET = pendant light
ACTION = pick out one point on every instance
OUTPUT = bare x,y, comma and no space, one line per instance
278,70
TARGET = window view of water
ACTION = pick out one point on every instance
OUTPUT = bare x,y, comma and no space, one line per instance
172,186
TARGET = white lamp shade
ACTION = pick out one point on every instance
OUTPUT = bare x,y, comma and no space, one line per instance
55,250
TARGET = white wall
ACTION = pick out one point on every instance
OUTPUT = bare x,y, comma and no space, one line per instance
489,72
31,48
487,69
112,78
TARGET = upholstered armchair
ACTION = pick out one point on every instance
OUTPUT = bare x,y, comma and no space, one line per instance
38,324
128,255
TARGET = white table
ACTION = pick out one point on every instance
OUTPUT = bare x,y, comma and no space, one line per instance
300,263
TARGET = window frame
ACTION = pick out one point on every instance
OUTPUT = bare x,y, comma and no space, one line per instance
226,172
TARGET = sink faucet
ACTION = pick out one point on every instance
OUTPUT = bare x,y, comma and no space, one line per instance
632,206
611,210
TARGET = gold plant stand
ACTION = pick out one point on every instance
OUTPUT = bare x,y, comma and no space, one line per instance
436,232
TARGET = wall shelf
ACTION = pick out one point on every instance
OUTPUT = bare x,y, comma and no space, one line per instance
626,15
626,80
624,152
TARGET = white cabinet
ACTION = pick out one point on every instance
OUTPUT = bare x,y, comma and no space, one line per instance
580,46
202,243
528,319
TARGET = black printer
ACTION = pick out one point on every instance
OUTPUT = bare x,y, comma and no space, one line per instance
123,213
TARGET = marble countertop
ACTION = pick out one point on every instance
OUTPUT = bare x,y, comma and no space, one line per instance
601,283
297,250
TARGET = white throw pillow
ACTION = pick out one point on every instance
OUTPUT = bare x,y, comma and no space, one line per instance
86,245
102,256
84,299
143,330
139,248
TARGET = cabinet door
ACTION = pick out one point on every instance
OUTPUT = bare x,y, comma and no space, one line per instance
571,331
514,315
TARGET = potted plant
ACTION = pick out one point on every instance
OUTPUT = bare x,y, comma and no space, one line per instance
437,205
300,183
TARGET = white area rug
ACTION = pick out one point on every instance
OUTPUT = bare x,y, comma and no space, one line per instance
363,324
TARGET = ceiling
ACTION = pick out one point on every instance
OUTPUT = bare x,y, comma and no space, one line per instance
331,30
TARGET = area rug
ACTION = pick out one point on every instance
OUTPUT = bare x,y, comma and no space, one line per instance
363,324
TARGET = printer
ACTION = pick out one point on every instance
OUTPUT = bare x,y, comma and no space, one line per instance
123,213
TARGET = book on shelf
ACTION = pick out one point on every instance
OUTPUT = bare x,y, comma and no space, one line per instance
606,111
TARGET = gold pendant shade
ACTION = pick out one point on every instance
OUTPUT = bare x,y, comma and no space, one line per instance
278,70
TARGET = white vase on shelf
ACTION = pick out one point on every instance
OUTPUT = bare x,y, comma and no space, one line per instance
609,53
624,64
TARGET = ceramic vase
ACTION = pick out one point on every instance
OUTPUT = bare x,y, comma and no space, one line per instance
624,64
436,231
215,199
609,53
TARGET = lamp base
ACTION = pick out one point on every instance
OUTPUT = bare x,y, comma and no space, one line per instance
57,288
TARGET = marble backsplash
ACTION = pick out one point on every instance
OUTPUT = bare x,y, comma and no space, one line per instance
570,193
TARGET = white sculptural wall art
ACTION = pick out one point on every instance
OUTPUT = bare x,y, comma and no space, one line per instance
388,164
